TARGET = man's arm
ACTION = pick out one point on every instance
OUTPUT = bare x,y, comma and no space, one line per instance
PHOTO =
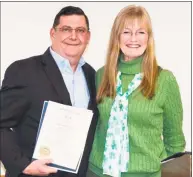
13,106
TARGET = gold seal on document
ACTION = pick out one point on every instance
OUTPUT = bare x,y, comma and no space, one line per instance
44,151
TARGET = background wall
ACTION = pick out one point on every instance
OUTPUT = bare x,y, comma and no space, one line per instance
25,32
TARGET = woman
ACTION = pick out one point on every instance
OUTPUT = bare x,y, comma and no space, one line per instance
139,103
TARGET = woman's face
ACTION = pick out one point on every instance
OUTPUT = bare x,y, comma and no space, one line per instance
133,40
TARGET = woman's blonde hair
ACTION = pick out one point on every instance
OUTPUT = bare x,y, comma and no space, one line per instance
149,65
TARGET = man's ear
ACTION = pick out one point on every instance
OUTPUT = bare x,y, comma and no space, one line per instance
88,36
52,33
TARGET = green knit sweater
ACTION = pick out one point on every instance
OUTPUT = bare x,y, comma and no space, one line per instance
148,122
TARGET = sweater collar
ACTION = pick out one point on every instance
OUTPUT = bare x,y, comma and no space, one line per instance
130,67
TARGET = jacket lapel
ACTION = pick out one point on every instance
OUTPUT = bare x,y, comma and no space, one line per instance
88,80
55,77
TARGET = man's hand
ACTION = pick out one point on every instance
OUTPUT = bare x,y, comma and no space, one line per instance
39,168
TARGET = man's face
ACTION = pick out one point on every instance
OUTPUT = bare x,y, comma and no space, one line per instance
70,37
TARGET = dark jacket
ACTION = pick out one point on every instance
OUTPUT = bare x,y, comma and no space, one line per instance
26,85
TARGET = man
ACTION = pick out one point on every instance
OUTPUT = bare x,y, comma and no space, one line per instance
59,75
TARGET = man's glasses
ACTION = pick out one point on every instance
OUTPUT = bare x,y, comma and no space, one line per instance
67,30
